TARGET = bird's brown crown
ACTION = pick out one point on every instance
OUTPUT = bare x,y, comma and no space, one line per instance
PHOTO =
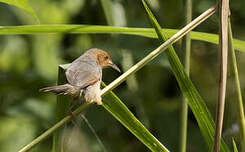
103,58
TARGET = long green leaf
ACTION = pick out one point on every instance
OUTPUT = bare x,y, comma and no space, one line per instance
116,107
96,29
22,4
240,109
196,103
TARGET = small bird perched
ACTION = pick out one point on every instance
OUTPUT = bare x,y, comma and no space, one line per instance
84,76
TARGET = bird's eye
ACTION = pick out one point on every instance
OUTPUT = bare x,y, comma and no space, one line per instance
106,57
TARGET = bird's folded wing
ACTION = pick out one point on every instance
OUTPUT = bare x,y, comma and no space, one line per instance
83,75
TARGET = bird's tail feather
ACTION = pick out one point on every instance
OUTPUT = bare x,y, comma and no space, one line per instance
62,89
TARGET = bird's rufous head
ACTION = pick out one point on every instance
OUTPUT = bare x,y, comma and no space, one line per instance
104,60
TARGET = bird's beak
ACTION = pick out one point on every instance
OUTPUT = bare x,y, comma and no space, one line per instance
114,66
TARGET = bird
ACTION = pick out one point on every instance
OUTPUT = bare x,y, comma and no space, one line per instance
84,76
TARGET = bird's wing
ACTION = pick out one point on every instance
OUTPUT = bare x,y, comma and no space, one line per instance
83,74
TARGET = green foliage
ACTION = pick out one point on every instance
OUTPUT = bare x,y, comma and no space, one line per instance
85,29
22,4
240,109
234,146
30,55
116,107
194,99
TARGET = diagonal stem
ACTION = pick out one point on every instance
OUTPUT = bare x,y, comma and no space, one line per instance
94,132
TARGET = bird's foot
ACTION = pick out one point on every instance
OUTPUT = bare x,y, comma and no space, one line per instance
73,118
71,113
98,101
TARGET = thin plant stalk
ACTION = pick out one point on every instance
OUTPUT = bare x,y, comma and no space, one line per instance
238,89
184,105
94,132
223,48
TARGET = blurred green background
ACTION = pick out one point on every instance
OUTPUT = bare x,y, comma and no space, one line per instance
30,62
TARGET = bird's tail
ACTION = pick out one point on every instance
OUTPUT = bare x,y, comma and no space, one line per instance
62,89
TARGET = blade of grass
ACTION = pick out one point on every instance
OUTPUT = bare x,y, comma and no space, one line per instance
238,89
24,5
120,79
184,105
234,146
96,29
223,50
124,116
195,101
94,132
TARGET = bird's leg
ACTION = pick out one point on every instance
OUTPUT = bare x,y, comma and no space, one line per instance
72,100
73,120
70,113
98,98
75,100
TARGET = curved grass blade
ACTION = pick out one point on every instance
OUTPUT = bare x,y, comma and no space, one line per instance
234,146
116,107
241,118
196,103
96,29
22,4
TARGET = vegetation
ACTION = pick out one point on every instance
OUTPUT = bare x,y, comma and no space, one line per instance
39,38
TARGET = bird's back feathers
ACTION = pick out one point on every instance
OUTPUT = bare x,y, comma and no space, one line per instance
84,71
